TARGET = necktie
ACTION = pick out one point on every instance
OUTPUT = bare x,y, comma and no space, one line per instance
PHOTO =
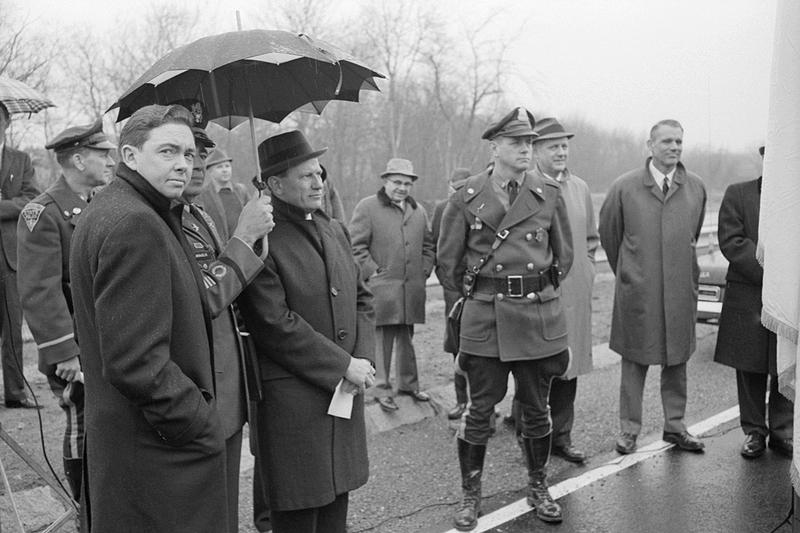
665,186
513,190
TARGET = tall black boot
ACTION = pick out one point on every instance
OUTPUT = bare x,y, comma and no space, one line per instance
538,452
470,457
73,470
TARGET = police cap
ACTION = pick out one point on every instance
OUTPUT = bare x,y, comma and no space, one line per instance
87,135
518,123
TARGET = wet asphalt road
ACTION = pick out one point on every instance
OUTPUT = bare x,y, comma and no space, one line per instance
414,482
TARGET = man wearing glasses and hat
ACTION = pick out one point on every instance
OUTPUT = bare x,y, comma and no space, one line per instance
510,227
395,248
44,232
312,321
17,188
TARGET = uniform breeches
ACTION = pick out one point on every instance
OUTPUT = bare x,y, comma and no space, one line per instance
72,405
488,380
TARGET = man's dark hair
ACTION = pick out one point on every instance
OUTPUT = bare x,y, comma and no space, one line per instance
5,112
672,123
137,130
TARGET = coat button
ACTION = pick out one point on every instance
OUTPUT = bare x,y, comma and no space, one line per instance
334,291
531,296
529,266
341,334
528,236
500,296
499,268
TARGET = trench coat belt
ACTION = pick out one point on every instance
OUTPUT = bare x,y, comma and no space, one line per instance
511,286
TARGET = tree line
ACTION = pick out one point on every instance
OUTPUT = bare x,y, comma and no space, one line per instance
444,85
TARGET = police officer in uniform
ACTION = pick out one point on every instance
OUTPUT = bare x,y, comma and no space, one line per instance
227,268
44,231
510,228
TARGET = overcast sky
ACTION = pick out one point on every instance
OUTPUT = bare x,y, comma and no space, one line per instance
619,63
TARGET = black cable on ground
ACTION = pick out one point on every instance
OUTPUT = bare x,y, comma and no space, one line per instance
30,389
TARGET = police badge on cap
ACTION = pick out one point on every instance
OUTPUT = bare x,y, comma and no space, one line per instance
518,123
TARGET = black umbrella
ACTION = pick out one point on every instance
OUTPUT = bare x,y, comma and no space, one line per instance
244,75
256,73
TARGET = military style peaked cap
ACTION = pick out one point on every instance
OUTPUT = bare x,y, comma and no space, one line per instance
550,128
202,138
518,123
196,108
87,135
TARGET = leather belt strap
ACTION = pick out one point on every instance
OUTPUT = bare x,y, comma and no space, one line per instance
511,286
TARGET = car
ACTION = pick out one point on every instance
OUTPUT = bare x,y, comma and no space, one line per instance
713,268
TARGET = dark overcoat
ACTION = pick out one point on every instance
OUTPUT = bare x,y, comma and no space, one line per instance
650,244
742,342
396,252
154,444
17,188
309,313
44,233
492,325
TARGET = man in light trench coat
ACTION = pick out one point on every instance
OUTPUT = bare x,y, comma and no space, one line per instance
649,225
550,152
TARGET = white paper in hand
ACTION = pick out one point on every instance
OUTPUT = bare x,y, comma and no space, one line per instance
342,403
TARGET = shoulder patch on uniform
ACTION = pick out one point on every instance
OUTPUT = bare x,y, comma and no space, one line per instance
30,214
219,271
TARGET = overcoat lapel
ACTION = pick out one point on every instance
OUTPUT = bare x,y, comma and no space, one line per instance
482,202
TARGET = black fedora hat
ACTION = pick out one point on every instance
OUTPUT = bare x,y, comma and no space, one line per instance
283,151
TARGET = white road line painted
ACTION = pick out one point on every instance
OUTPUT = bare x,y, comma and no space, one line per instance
520,507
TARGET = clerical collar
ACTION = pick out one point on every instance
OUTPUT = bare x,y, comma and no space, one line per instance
659,176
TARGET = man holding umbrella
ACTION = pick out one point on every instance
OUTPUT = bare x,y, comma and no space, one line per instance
16,190
227,268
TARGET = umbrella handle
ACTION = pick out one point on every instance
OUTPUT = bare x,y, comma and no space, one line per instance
264,242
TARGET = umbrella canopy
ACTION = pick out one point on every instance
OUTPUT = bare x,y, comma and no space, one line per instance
256,73
17,97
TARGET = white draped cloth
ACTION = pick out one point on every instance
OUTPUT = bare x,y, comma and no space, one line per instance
779,224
